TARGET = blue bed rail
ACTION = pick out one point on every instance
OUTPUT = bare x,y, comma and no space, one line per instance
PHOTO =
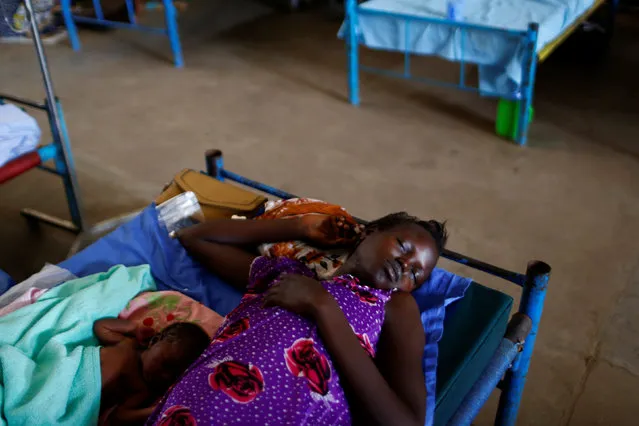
511,360
528,39
170,30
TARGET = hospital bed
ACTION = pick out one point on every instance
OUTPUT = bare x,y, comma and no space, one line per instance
505,39
480,349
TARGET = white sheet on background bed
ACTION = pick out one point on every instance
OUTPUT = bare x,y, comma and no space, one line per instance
19,133
498,55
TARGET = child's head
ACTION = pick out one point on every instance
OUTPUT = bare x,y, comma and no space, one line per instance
171,352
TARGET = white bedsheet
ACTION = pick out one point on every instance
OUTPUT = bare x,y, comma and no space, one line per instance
19,133
498,55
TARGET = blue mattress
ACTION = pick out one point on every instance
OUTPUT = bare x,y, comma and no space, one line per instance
498,55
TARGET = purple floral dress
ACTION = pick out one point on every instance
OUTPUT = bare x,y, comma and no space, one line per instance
269,366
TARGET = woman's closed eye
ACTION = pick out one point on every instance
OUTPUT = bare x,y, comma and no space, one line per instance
402,246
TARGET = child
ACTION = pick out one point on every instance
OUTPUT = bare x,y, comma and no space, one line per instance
134,376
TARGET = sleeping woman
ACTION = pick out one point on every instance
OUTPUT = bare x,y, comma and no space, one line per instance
300,351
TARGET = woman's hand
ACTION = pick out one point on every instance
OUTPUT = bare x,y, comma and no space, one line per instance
329,231
297,293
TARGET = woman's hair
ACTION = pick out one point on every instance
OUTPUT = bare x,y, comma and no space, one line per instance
436,229
189,337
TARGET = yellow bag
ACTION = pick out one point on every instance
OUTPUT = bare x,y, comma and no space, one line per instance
217,199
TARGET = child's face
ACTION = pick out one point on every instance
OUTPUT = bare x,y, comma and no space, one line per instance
162,364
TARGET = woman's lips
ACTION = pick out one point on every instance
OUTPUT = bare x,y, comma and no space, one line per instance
392,271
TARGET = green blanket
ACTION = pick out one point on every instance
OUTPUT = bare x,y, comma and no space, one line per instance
49,357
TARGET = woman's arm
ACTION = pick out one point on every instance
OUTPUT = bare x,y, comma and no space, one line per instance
391,389
246,232
111,331
132,412
223,245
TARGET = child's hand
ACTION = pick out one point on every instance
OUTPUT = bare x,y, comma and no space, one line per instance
143,335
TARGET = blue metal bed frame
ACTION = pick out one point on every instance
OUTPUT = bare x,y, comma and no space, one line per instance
170,17
508,367
528,39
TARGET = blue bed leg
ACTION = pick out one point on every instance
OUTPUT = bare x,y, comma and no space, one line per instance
72,30
170,16
353,53
518,329
532,305
529,67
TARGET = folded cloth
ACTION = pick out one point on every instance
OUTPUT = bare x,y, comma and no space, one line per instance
159,309
49,357
48,277
19,133
28,298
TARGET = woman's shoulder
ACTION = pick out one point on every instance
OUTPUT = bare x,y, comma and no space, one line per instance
402,307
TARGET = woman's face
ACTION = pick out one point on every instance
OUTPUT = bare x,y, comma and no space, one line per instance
399,258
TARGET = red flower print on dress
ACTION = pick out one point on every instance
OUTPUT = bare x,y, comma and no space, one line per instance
366,344
304,360
178,415
233,330
242,382
363,294
246,299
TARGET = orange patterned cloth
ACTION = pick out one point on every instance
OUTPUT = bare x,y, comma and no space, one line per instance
323,262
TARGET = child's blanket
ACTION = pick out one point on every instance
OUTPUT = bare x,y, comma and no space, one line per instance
49,357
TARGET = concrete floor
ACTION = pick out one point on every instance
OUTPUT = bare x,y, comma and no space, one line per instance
271,94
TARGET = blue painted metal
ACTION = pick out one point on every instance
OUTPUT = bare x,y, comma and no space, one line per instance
47,152
433,82
97,8
407,52
529,67
130,11
72,29
484,386
66,167
531,304
170,15
23,102
462,64
352,41
121,25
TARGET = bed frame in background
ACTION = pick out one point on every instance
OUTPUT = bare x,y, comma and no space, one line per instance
170,18
514,113
508,368
59,150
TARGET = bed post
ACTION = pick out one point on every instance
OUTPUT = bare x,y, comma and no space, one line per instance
532,305
214,163
170,16
529,67
70,24
353,54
